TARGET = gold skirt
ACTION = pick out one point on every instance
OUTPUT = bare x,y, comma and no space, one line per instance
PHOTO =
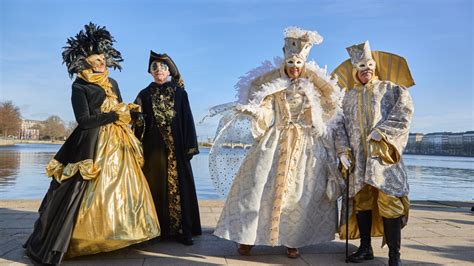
117,209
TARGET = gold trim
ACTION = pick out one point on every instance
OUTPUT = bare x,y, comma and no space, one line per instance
370,89
361,122
368,112
383,149
60,173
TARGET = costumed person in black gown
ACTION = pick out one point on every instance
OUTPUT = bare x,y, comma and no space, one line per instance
169,143
99,199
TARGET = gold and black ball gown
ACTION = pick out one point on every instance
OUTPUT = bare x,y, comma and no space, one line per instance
99,199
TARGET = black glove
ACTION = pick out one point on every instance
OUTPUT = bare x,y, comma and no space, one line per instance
137,118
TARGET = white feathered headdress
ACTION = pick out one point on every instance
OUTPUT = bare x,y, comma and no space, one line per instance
298,42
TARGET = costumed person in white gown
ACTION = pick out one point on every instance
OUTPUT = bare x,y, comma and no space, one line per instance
377,113
284,187
99,199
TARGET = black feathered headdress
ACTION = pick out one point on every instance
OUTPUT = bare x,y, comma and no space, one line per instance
93,40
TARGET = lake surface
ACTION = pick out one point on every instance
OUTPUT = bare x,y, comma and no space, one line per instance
22,174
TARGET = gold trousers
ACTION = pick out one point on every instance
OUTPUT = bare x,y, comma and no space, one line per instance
381,204
370,198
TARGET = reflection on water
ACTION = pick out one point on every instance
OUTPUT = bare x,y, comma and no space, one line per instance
22,174
430,177
8,168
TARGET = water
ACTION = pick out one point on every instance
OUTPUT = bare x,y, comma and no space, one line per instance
440,177
22,171
430,177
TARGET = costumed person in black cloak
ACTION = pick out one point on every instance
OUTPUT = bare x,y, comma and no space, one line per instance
99,199
284,188
169,143
377,112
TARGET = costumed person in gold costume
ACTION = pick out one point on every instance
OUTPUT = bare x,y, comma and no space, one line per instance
99,199
371,137
283,190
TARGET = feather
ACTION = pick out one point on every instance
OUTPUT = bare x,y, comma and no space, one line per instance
93,39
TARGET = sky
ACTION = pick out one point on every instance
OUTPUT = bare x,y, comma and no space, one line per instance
214,42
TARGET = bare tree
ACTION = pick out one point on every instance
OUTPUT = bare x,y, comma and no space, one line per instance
10,119
53,128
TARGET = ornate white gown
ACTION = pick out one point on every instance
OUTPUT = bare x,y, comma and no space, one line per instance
278,196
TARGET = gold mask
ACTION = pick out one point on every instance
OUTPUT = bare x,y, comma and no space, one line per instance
96,60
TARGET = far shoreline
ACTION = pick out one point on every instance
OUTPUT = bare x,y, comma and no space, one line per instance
15,142
4,143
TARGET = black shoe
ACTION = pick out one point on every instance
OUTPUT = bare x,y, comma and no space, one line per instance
365,252
362,254
392,230
188,241
394,262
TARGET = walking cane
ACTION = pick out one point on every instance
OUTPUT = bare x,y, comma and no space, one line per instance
345,174
347,219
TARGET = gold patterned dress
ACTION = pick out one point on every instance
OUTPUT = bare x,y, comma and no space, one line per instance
117,209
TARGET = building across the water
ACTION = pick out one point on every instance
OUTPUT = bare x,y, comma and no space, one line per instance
441,143
30,129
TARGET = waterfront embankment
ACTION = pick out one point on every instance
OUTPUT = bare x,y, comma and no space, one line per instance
9,142
438,233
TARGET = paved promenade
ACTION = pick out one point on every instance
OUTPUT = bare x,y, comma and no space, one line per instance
440,233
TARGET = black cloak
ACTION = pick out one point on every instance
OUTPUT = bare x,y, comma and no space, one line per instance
155,153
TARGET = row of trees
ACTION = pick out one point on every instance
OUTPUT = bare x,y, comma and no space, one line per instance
53,128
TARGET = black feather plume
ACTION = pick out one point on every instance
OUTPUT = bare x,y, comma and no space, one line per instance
92,40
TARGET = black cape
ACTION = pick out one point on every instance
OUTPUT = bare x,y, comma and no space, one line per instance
57,214
155,153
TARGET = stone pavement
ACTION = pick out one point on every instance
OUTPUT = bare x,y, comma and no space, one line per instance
439,233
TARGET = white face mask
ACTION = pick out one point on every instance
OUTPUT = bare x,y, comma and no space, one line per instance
294,61
365,64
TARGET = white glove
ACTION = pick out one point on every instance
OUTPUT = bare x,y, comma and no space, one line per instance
375,135
244,109
239,107
345,161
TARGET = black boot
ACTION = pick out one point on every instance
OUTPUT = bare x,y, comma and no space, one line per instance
365,252
392,229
